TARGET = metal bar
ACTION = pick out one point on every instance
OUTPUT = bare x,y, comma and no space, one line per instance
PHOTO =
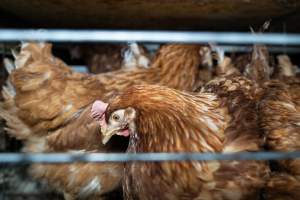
271,49
243,49
150,157
65,35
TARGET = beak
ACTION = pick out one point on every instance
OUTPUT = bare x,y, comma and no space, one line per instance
107,134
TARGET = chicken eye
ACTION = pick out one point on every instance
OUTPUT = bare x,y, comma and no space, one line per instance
116,117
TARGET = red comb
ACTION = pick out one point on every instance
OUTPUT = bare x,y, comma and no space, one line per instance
98,109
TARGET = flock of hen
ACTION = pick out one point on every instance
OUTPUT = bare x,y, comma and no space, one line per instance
177,101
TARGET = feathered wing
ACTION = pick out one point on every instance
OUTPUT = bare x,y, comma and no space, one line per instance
80,135
240,95
8,111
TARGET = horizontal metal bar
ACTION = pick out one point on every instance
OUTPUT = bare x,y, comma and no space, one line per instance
66,35
123,157
80,68
242,49
271,49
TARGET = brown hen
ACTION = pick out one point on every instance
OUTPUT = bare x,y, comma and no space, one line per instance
221,118
47,105
280,119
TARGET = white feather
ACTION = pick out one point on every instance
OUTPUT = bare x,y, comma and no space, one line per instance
9,65
92,187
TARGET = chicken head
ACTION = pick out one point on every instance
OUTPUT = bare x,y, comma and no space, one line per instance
120,122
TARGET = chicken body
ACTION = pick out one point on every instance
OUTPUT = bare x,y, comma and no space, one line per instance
47,105
280,120
222,118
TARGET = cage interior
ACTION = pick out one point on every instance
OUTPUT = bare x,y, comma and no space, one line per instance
189,15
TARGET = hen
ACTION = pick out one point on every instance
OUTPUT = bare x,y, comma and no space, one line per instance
221,118
47,105
280,119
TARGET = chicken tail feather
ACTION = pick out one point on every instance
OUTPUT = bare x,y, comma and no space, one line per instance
9,65
259,68
286,66
15,127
